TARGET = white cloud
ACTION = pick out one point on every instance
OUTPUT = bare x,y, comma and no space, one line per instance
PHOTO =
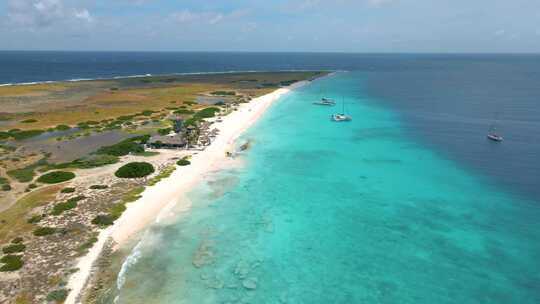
37,14
378,3
84,14
500,32
209,17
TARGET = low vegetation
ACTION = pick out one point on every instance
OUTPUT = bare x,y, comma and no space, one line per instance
224,93
34,219
23,175
67,190
24,134
99,187
183,162
15,219
61,207
43,231
135,170
125,147
62,127
163,174
11,263
183,112
206,113
92,161
58,296
83,249
103,220
56,177
13,248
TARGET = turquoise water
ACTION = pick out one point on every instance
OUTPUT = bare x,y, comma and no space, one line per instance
327,212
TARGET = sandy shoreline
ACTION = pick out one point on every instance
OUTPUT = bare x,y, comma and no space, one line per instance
171,191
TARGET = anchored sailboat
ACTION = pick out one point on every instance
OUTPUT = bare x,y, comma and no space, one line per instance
340,117
325,101
493,135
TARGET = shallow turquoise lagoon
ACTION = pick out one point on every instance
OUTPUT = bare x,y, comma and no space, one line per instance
327,212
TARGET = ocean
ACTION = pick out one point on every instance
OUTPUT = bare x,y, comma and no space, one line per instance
407,203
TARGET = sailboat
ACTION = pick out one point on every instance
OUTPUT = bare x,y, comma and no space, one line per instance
493,135
340,117
325,102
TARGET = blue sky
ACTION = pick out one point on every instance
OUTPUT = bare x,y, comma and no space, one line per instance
277,25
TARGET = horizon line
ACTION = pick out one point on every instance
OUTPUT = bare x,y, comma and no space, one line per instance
276,52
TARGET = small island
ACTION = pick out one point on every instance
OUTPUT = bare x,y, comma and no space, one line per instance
75,155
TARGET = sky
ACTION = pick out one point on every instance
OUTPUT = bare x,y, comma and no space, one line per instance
460,26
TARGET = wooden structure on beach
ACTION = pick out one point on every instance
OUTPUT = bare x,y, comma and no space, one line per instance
171,141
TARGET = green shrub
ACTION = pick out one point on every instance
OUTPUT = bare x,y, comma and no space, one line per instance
125,118
43,231
206,113
148,153
147,112
116,210
34,219
25,134
92,161
58,296
135,170
17,240
23,175
99,187
96,161
183,162
7,147
31,120
4,135
122,148
183,112
76,198
11,263
83,248
163,174
6,187
3,181
14,248
286,83
56,177
103,220
61,207
164,131
67,190
62,127
224,93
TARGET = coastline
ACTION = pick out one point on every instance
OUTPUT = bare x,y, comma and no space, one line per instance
171,191
120,77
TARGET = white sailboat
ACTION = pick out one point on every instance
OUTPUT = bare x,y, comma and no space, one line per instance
341,117
325,101
493,134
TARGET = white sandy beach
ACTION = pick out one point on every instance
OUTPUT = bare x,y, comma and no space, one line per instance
171,191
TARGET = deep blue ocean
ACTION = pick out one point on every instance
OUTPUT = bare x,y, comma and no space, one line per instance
407,203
